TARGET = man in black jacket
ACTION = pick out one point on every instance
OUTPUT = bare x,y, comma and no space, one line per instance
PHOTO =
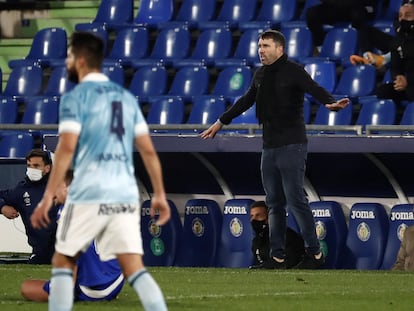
259,220
22,200
402,58
278,88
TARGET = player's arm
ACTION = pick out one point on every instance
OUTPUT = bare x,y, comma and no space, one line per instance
153,166
7,203
63,157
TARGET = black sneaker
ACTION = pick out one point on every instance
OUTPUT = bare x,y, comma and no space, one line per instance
310,262
270,264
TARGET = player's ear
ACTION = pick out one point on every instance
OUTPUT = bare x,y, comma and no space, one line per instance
48,168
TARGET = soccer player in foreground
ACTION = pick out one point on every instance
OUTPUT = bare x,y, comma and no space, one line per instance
99,122
95,280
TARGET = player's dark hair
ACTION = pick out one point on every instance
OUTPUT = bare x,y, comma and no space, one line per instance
88,45
275,35
258,204
45,155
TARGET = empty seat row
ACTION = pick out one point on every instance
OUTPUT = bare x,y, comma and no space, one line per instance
173,47
203,14
371,239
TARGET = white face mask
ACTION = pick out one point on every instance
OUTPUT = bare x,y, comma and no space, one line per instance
34,174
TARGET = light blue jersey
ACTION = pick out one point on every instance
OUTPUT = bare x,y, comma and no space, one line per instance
107,118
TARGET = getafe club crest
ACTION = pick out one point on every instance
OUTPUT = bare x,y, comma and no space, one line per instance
400,231
198,227
320,230
363,231
154,229
236,227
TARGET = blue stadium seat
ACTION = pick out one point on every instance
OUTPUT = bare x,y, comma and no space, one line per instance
232,82
307,4
58,82
115,73
166,110
246,53
206,109
387,77
153,12
339,43
298,42
231,13
326,117
247,117
171,44
408,114
291,222
271,14
23,82
160,243
201,234
15,145
357,81
149,81
236,235
41,110
331,229
99,31
190,81
377,112
211,44
401,217
8,110
324,73
129,44
111,14
190,13
367,237
48,49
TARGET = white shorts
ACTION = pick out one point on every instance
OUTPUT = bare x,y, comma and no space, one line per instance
115,227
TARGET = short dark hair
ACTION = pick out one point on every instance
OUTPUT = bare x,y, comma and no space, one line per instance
258,204
275,35
45,155
88,45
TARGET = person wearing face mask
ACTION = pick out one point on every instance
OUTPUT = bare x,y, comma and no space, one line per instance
23,199
295,249
402,58
95,280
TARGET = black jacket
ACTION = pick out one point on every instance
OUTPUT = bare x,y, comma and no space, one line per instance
278,90
295,249
402,59
24,198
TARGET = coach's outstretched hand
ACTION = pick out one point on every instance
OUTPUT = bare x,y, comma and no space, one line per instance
212,130
338,105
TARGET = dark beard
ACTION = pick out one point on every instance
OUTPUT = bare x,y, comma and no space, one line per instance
73,76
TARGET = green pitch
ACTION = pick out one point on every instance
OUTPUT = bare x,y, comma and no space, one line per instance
241,289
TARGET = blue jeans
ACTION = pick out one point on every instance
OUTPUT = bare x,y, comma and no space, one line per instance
283,172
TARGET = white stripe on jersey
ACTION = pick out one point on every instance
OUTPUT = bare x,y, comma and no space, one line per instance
101,293
141,129
70,127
